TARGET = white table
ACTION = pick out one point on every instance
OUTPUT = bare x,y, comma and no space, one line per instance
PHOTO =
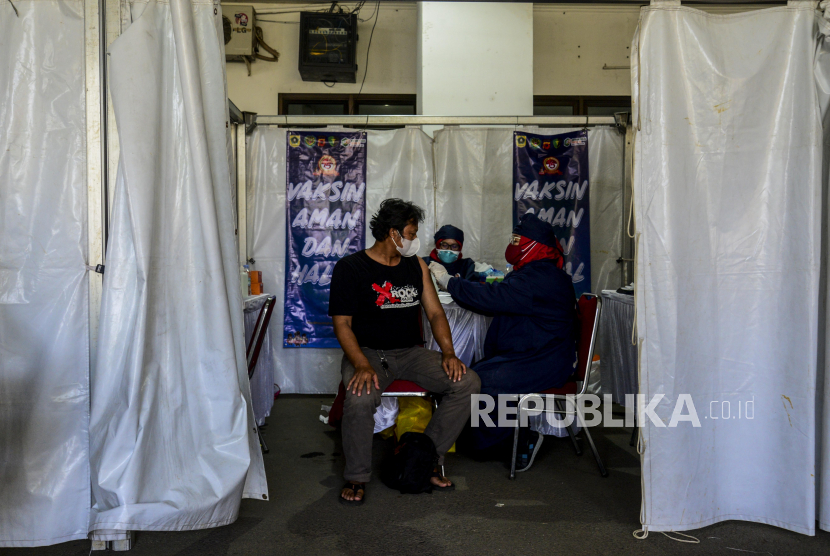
262,383
618,357
468,331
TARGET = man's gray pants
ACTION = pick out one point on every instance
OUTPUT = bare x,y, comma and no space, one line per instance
421,366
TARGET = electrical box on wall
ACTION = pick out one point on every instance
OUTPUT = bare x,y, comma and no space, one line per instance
239,24
328,47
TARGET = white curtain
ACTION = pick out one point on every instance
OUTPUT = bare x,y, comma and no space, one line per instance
173,441
728,191
399,164
473,175
474,172
44,293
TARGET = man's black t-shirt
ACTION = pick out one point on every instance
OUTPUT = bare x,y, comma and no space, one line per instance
383,301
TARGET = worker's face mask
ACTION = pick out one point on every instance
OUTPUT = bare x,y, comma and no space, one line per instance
408,247
518,248
447,255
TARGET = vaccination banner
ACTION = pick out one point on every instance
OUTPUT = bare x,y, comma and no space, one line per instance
550,177
326,204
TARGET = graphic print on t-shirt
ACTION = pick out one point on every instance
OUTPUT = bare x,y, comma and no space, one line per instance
391,297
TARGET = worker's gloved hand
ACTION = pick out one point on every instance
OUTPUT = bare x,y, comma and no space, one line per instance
441,274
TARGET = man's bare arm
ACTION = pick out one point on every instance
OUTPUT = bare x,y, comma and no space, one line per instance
440,327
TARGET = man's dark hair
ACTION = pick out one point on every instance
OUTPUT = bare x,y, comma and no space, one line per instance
394,213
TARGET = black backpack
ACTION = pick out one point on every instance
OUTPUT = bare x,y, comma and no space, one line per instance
412,465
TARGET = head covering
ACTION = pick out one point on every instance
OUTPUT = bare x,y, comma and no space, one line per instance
449,232
538,230
538,242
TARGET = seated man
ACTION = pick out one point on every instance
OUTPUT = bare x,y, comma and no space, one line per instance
375,303
448,243
531,344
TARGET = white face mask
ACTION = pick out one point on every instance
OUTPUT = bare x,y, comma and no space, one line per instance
410,247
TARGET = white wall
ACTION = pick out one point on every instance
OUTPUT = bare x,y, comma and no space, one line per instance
475,58
571,43
391,58
602,31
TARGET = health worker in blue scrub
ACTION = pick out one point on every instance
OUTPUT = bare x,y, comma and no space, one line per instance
449,241
531,343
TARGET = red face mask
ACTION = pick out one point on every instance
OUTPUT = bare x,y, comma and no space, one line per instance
517,251
527,250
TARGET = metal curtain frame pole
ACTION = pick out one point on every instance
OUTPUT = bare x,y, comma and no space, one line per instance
322,121
94,82
102,26
253,120
241,192
611,2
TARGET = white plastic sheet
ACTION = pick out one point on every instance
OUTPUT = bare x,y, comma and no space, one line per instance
552,424
173,438
386,414
44,294
399,164
823,375
468,332
474,172
728,189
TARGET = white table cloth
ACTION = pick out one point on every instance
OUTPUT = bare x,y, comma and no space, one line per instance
618,357
262,383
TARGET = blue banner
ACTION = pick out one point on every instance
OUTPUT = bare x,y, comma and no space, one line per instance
326,220
550,173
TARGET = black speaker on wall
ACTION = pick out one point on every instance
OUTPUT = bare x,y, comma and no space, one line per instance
328,47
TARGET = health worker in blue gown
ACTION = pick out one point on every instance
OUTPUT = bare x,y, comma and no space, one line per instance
531,343
449,241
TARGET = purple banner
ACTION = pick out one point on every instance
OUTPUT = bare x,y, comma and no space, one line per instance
550,173
326,220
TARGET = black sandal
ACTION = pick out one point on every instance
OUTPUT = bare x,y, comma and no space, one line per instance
355,487
447,488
